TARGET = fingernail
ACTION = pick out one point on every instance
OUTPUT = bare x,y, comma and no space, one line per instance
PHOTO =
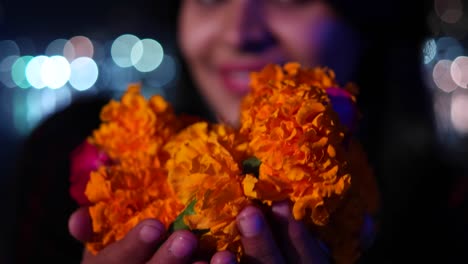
281,209
250,222
150,233
224,257
182,246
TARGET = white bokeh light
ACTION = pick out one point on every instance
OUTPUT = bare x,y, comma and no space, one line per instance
34,72
84,73
121,50
459,111
147,56
55,72
63,97
442,76
34,112
48,102
459,71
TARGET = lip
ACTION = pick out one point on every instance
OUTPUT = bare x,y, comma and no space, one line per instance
236,76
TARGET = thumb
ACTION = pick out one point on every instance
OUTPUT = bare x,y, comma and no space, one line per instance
79,225
138,246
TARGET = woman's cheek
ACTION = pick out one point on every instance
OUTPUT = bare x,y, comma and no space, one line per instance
197,37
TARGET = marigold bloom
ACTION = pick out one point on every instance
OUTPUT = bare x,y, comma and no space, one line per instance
134,125
133,186
293,129
126,193
202,168
295,133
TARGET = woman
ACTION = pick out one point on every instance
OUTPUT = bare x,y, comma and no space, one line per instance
222,40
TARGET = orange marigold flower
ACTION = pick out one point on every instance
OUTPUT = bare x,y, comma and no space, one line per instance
203,169
124,194
133,186
296,135
135,126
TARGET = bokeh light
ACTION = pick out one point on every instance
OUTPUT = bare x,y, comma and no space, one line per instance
33,108
459,71
441,103
56,47
20,109
448,48
18,71
5,71
84,73
55,72
78,46
147,56
63,97
34,71
442,77
459,111
165,73
449,11
122,48
48,102
8,48
429,50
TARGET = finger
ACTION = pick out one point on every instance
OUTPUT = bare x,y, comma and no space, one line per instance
79,225
178,249
136,247
258,242
223,257
299,245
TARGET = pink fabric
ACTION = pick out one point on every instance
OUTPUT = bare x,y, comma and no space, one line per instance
84,159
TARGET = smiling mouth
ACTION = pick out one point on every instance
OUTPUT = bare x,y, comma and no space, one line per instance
236,81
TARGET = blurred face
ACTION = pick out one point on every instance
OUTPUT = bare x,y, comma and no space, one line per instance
223,40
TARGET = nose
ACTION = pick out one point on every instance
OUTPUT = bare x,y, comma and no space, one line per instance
246,27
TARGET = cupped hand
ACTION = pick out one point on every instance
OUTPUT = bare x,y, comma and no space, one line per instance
288,241
145,243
